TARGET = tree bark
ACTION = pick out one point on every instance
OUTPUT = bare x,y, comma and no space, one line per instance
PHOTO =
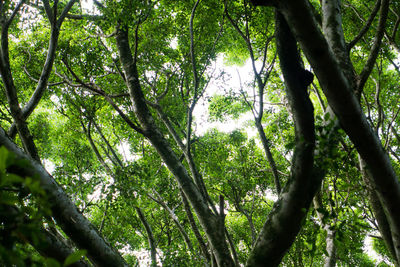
150,237
284,221
192,222
67,216
330,259
47,243
344,103
173,216
209,221
379,213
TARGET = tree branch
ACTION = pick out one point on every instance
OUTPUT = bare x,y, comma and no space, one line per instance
366,26
375,47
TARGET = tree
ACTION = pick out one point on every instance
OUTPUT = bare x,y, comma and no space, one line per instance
113,103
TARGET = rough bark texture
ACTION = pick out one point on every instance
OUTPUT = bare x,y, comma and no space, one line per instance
344,103
71,221
209,221
284,221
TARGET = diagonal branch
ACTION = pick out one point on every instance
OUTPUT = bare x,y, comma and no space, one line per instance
14,13
208,220
11,91
47,8
64,13
366,26
47,67
94,89
375,47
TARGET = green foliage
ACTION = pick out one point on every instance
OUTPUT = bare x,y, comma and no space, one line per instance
222,108
232,164
379,246
23,204
74,257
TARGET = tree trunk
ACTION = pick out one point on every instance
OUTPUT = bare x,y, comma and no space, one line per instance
330,259
71,221
379,213
344,103
285,219
208,220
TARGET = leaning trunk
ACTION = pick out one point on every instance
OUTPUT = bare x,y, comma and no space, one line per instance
67,216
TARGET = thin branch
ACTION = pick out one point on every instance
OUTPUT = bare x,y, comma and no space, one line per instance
390,125
108,144
195,80
92,88
14,13
192,53
47,8
42,82
65,12
396,25
375,47
366,26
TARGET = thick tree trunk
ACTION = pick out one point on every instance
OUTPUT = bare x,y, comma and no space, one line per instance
47,243
71,221
333,32
284,221
344,103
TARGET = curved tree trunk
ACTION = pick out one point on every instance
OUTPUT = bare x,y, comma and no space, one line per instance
284,221
379,213
344,103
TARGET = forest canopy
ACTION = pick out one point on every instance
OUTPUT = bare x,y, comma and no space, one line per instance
199,133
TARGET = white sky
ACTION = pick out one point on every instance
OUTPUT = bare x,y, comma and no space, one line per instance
87,4
231,82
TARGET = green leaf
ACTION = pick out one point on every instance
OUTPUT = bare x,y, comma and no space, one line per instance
74,257
50,262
